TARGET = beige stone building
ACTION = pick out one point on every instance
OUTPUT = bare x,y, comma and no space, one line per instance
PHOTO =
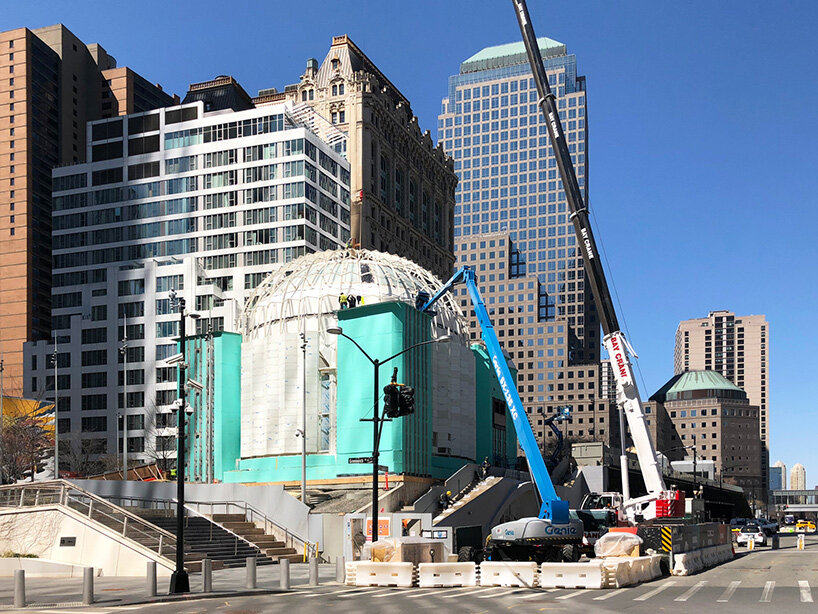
51,84
738,348
703,410
402,185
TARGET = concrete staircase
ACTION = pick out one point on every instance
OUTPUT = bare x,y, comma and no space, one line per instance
193,560
469,494
270,545
208,539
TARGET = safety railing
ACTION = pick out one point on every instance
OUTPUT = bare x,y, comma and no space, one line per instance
62,492
251,514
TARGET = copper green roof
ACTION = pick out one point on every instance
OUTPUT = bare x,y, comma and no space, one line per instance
509,54
698,384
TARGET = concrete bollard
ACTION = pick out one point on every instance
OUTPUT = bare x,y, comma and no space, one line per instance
284,570
250,579
207,575
151,579
801,541
313,571
340,570
775,543
87,586
19,588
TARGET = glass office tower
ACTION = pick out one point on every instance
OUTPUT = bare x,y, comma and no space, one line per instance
512,225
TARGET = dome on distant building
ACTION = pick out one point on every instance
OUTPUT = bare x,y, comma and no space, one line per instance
698,385
310,286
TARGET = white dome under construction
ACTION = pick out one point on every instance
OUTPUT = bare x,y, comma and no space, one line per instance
310,286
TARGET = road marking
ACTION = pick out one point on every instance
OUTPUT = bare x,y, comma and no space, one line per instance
458,592
691,592
535,593
654,592
498,594
470,593
611,594
369,593
401,589
806,593
729,592
570,595
767,595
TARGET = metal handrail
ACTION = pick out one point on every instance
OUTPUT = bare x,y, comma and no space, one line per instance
250,512
63,492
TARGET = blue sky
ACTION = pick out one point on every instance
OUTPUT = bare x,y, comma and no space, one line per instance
703,124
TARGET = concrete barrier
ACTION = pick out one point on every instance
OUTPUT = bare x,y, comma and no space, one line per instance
351,572
572,575
616,573
369,573
508,573
447,574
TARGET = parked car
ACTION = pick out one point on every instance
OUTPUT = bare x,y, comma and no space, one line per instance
751,531
770,527
737,523
805,526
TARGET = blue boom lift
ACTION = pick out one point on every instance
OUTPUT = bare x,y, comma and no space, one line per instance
553,535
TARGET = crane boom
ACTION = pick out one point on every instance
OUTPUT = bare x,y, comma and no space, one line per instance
614,340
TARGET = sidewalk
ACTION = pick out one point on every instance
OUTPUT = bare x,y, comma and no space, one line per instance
120,590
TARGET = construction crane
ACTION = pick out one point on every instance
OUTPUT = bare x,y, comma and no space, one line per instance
657,502
553,535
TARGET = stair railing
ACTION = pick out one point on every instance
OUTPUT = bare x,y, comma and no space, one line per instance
67,494
252,514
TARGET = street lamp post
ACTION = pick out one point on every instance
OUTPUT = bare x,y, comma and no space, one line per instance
124,351
303,418
56,416
179,580
377,420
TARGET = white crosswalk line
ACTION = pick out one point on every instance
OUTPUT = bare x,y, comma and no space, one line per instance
806,593
611,594
688,594
462,590
729,592
571,595
395,591
498,594
654,592
535,593
767,595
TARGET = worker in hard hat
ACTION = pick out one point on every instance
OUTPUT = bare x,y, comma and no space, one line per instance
445,499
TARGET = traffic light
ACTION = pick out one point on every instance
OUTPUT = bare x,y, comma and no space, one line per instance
391,400
406,400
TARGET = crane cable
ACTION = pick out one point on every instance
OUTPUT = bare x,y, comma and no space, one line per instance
612,283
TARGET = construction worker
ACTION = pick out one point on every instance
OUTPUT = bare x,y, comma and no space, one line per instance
351,301
343,300
484,468
445,499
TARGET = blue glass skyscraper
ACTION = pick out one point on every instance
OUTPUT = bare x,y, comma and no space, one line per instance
512,226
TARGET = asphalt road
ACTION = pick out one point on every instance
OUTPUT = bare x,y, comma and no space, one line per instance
785,579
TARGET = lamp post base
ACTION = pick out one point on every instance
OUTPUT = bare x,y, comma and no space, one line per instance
179,582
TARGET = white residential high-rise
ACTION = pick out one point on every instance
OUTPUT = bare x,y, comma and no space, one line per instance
206,203
798,477
737,347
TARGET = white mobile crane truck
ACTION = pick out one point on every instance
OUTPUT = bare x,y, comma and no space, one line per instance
659,501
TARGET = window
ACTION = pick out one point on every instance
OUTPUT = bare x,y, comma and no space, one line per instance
95,380
95,424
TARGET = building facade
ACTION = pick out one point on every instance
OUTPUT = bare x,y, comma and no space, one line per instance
402,185
778,476
798,477
51,84
324,383
738,348
714,419
201,203
512,226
